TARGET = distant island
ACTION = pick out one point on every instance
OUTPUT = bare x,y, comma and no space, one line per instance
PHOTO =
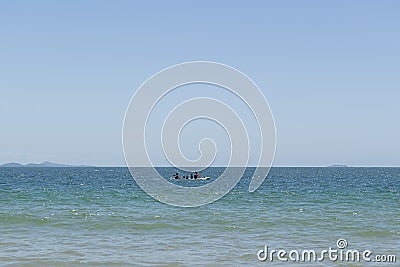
46,164
337,166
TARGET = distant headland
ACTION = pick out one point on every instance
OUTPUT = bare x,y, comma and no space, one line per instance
338,166
46,164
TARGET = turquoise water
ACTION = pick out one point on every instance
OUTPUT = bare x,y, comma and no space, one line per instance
100,217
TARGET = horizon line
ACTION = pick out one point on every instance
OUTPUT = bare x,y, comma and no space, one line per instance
216,166
32,164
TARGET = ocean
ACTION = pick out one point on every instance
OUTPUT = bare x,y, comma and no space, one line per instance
101,217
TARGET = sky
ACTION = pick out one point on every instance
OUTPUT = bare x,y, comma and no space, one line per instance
329,70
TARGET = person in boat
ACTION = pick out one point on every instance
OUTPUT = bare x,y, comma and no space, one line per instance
191,176
196,175
176,176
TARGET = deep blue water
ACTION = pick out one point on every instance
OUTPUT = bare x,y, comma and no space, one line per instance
100,217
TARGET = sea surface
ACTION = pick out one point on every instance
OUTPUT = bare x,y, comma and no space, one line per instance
101,217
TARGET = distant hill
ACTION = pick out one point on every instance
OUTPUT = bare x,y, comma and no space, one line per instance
338,166
12,164
46,164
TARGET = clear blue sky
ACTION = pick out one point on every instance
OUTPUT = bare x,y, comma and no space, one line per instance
329,69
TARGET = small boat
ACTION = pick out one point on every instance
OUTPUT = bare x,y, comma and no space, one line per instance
193,179
202,178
